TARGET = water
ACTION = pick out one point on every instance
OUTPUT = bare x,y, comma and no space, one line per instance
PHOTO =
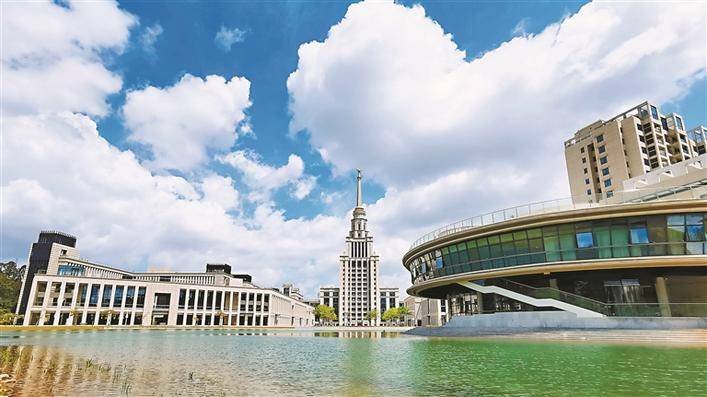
287,363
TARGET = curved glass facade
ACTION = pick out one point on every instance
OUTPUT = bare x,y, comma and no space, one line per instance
653,235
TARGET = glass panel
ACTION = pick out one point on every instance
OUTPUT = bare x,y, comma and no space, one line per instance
619,241
506,237
693,219
584,240
533,233
552,248
694,233
603,239
118,300
567,244
676,220
550,231
639,234
536,245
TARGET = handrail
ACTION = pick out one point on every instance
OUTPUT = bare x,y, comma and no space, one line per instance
587,303
556,205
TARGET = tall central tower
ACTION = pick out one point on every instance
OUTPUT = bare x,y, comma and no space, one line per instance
358,275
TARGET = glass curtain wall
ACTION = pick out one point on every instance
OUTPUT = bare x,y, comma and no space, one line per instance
656,235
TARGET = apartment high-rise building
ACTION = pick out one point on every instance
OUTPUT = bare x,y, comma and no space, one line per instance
358,272
603,154
698,136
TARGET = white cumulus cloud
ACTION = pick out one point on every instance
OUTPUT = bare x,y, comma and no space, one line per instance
50,55
390,89
181,124
263,179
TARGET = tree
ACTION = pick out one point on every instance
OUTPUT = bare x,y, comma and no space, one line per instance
324,313
10,283
75,316
8,318
221,315
372,315
403,311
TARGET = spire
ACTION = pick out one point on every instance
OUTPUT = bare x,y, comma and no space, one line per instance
359,202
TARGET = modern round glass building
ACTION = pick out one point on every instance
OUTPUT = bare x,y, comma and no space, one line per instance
627,259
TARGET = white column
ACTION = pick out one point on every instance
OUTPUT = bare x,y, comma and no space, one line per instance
99,304
45,302
62,289
30,302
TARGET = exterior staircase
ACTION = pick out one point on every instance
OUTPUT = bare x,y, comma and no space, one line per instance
542,297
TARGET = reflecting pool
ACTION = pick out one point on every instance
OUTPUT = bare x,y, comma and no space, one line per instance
228,362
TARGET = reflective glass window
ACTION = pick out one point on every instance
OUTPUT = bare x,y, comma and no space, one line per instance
585,240
639,234
619,241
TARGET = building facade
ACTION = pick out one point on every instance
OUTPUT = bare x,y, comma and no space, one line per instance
389,298
329,296
627,259
425,312
293,292
66,290
358,271
603,154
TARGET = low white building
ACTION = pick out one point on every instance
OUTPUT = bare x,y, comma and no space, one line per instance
425,312
66,290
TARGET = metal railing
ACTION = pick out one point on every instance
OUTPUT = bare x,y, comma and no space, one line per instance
553,293
564,204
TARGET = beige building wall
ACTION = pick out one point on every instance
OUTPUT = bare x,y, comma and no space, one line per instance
604,154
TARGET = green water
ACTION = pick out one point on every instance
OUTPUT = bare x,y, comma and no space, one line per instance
221,362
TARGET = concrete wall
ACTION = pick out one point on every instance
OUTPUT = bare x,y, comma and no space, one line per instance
529,321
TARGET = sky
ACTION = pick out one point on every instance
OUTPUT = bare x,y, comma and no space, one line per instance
165,135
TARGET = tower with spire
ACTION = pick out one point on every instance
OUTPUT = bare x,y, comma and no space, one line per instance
358,272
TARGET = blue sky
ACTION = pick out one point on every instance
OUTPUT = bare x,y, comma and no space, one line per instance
442,104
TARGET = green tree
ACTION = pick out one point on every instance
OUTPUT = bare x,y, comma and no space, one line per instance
324,313
403,311
372,315
390,314
10,283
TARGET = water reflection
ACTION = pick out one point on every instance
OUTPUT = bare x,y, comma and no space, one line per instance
247,362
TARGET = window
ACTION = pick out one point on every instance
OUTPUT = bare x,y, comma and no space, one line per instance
609,194
603,160
605,171
600,138
118,299
584,160
585,170
93,300
129,297
584,240
107,289
581,150
639,233
589,192
601,149
607,182
586,181
679,123
141,297
654,112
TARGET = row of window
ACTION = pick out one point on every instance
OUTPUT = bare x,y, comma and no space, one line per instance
616,238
